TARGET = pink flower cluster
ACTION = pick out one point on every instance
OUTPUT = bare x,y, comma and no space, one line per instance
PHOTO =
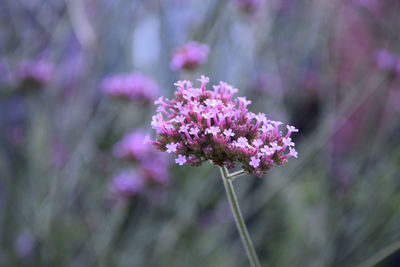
152,165
134,87
200,124
189,56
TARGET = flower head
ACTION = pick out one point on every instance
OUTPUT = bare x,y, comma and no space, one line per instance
134,87
189,56
225,132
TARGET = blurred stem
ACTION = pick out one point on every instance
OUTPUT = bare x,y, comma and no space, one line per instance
112,232
381,255
237,214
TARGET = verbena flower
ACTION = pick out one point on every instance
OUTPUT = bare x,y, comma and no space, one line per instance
134,87
189,56
126,184
200,124
151,164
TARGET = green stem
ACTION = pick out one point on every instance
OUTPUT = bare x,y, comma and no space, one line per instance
241,226
381,255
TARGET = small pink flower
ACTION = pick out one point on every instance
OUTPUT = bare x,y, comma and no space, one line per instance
171,147
242,142
208,115
194,131
204,79
198,109
292,129
229,133
261,117
254,161
257,142
292,152
181,159
287,141
180,119
213,130
183,128
275,146
266,128
243,101
267,150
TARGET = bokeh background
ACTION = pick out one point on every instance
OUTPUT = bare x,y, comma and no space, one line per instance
330,68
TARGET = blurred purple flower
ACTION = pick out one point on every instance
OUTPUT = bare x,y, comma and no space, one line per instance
133,87
225,129
132,147
152,164
34,73
25,244
126,184
189,56
370,4
155,171
59,154
385,59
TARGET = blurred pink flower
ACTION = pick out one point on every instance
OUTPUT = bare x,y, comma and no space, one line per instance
134,87
34,73
155,170
25,244
189,56
126,184
132,146
152,164
385,59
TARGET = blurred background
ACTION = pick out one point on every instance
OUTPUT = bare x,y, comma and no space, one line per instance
77,84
